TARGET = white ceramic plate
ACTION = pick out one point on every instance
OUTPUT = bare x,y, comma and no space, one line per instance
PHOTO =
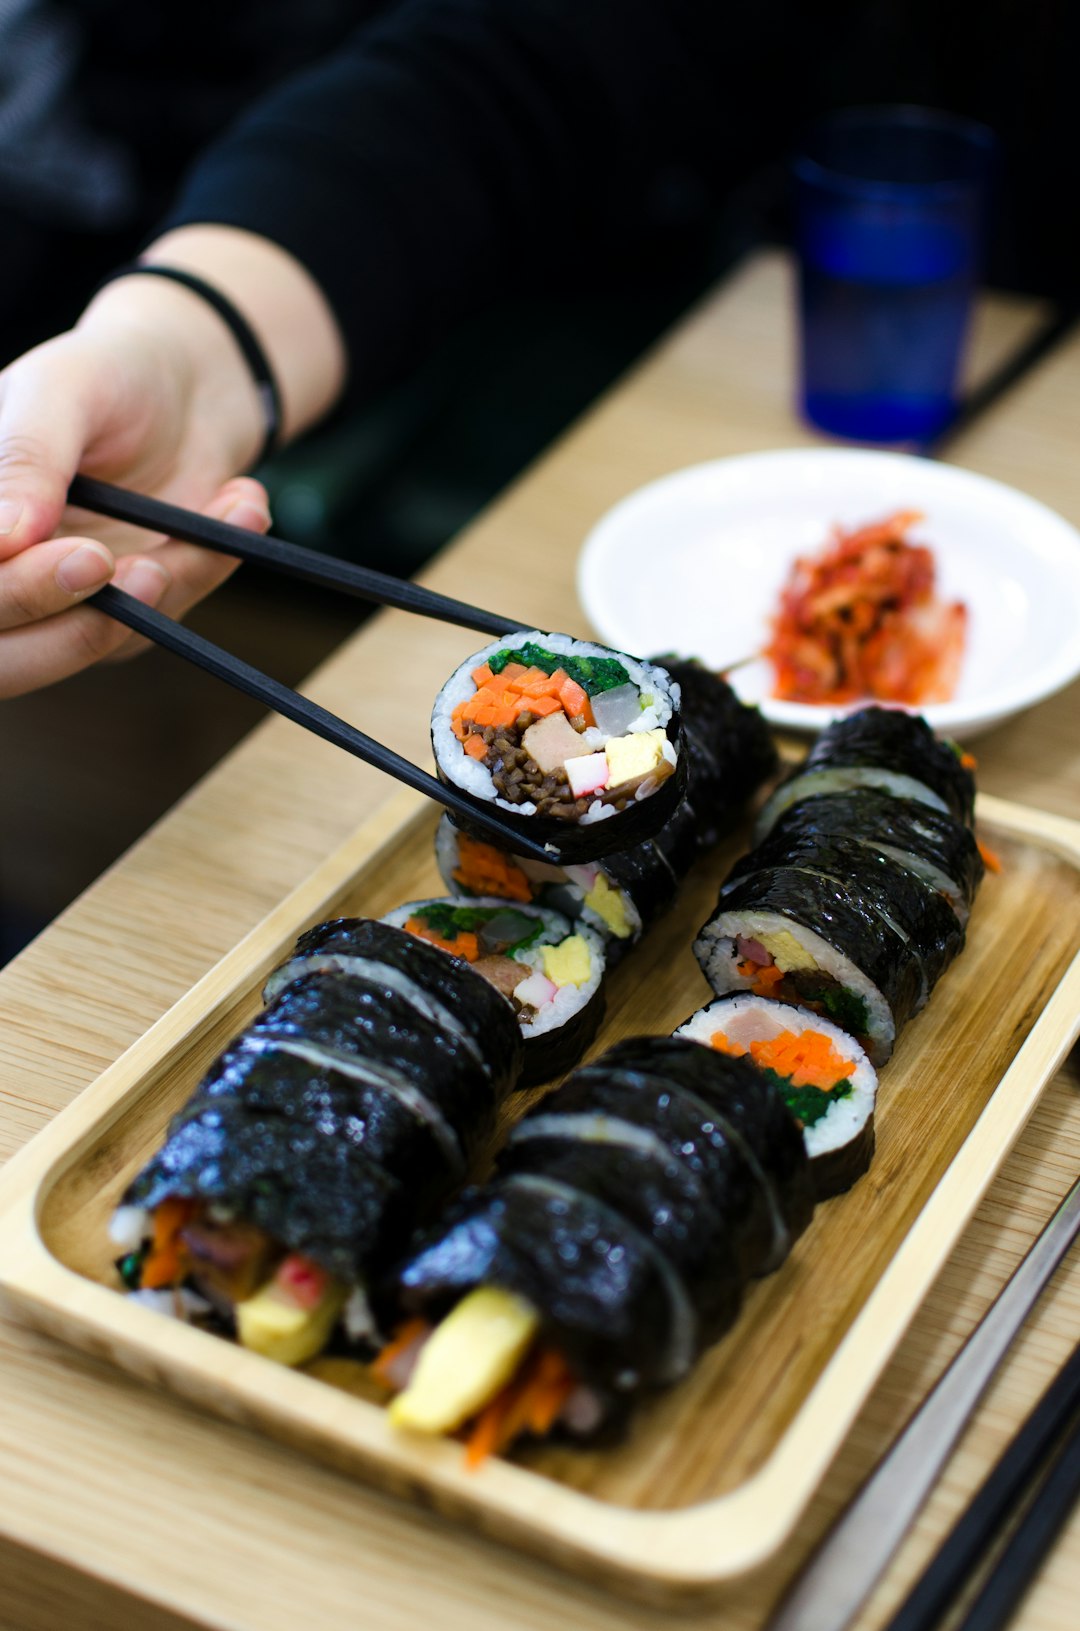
694,563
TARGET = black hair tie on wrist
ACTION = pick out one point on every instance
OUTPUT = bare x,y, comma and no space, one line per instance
258,363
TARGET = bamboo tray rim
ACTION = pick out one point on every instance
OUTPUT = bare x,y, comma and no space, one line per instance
681,1550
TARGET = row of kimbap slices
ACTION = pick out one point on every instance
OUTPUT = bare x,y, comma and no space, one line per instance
833,931
349,1110
356,1103
626,1215
630,1208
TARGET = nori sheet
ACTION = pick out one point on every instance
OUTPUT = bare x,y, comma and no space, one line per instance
475,1004
730,749
922,915
928,841
892,739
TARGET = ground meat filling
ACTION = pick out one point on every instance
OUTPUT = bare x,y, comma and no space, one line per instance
519,779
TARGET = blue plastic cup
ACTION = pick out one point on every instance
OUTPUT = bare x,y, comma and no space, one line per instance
890,213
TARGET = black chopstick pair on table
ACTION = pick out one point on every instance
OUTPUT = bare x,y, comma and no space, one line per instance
307,564
1028,1496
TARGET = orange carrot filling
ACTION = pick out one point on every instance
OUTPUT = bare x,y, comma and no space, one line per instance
805,1058
382,1366
465,944
991,860
530,1403
166,1261
764,976
500,698
484,870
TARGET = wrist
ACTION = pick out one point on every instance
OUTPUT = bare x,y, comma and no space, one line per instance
189,349
282,304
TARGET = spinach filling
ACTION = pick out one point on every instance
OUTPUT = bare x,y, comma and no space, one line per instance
450,921
593,674
809,1104
842,1006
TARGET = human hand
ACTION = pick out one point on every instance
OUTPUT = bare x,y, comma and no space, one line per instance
148,392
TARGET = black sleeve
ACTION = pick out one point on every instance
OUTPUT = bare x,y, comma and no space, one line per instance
454,149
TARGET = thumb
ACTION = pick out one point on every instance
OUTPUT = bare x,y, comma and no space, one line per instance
42,436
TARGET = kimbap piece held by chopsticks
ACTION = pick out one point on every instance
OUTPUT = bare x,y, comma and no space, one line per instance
626,1214
729,754
328,1130
549,970
577,745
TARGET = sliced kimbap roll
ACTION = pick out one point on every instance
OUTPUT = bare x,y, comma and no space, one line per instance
548,969
578,746
827,1082
618,897
324,1135
914,910
886,748
803,939
935,847
605,1253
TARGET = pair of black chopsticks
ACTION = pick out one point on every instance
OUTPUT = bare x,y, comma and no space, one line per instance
138,510
1034,1487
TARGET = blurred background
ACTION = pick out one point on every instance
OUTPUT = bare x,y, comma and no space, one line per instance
102,105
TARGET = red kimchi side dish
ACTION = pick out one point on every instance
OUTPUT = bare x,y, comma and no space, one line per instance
862,620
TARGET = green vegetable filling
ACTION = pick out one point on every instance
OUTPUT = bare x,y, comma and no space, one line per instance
839,1004
450,921
129,1268
809,1104
593,674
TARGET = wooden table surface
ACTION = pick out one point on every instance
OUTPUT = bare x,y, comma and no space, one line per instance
121,1509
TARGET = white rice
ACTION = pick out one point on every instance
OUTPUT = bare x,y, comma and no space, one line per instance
661,692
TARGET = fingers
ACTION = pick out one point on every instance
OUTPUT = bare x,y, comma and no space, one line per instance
193,572
50,578
42,434
40,653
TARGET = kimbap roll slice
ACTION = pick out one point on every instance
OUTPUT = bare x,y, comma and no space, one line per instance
886,748
826,1080
578,746
601,1256
618,897
803,939
326,1133
549,970
935,847
915,911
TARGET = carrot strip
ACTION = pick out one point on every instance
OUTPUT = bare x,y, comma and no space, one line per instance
476,747
991,860
167,1255
482,675
403,1338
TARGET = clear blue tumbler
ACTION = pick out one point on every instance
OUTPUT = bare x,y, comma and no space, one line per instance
890,215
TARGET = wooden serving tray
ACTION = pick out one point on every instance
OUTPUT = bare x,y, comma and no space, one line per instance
715,1473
